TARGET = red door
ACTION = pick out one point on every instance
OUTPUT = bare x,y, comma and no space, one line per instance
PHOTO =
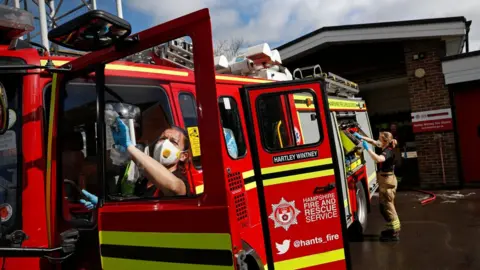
189,232
468,124
298,184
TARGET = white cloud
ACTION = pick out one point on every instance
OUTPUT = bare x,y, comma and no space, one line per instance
279,21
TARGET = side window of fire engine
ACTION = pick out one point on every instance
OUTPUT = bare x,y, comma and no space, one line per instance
288,120
78,136
232,127
188,106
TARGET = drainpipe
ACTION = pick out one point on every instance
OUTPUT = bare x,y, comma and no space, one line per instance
467,27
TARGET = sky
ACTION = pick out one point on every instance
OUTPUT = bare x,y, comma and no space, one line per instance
279,21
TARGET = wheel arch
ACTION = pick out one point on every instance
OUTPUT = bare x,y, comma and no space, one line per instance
252,259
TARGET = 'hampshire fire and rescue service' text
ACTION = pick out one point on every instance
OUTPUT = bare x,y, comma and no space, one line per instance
320,207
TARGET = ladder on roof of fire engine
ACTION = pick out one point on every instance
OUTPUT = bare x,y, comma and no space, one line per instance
178,52
335,84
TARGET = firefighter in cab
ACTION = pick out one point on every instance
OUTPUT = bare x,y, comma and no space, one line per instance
165,173
387,181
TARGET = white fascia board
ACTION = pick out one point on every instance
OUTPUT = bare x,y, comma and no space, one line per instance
448,29
465,69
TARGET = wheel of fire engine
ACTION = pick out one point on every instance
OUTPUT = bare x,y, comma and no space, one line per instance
362,208
356,230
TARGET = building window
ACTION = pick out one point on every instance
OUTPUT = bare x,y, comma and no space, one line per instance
232,127
287,122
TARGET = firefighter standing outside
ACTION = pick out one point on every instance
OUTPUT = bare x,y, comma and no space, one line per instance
387,181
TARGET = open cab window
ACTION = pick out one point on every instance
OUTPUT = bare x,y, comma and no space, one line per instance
286,121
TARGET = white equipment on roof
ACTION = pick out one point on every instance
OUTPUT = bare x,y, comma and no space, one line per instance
257,61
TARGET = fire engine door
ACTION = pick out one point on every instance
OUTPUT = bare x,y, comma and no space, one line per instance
181,232
298,183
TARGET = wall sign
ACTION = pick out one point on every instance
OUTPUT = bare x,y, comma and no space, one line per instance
436,120
296,156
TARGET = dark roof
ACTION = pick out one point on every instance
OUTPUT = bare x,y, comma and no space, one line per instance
374,25
460,56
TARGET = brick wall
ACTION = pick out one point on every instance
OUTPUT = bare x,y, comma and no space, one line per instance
430,93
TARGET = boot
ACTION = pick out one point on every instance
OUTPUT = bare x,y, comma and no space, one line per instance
389,236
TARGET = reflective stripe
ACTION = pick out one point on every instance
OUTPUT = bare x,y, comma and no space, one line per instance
241,79
298,177
372,176
169,240
251,185
248,174
199,189
129,68
311,260
135,250
48,180
162,71
295,166
125,264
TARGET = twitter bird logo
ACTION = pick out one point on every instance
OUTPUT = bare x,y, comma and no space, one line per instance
283,247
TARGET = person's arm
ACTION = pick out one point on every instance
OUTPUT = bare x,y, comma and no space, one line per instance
156,172
369,140
375,157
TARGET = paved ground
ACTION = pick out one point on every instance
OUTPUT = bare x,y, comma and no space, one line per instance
441,235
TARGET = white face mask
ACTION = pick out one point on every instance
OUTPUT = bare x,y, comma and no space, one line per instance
166,153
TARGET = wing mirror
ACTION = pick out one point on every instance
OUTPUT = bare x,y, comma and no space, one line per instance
4,113
92,31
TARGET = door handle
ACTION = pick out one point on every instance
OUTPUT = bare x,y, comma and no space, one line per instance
324,189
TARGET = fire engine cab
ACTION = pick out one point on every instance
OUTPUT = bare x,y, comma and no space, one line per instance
276,178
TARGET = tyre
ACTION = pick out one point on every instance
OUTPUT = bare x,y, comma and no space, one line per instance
362,207
357,229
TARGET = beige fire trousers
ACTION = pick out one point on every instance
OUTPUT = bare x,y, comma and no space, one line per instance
387,190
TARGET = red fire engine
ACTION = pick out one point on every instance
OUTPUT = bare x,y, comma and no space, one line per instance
284,199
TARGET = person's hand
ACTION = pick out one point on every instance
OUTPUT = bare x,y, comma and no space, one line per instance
92,200
357,135
121,136
365,145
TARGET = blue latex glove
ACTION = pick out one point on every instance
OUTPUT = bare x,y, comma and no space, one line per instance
92,200
231,144
365,145
357,135
121,137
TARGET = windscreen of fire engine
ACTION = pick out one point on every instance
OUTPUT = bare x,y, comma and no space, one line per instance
288,120
10,158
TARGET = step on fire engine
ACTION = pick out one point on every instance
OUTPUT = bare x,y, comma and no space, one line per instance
281,193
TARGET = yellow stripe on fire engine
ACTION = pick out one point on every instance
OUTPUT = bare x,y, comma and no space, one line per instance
295,166
189,241
333,103
199,189
341,104
126,264
48,180
129,68
162,71
297,177
311,260
250,186
213,241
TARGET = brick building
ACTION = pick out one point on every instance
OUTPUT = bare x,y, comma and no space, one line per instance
398,66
